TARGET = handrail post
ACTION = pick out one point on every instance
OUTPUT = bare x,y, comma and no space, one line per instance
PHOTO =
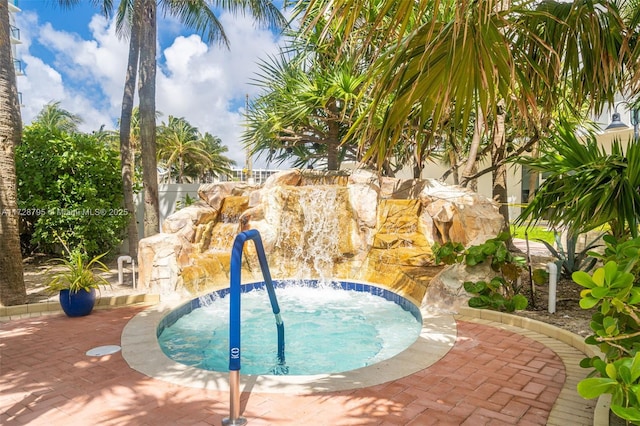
234,319
234,403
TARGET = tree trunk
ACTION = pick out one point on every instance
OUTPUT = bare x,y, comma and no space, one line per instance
499,174
471,165
453,164
12,288
333,137
473,183
418,158
533,175
127,155
333,145
147,94
417,170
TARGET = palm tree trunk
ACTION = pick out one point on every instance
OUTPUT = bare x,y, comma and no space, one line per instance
333,144
147,93
333,135
499,174
471,165
127,155
533,175
180,170
498,154
12,288
453,164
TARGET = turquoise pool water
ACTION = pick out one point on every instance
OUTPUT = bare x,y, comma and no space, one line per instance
328,329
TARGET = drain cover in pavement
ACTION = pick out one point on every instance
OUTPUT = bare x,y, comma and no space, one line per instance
103,350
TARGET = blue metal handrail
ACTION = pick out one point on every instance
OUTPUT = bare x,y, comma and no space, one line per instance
234,317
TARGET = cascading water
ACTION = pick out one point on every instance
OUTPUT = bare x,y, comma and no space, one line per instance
309,238
222,236
226,228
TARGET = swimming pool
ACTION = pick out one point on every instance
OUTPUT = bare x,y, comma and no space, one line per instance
142,352
330,328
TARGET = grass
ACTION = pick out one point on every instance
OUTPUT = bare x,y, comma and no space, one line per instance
534,233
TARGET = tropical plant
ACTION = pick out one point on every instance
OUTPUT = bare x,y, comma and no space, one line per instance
625,252
74,194
517,60
611,292
53,117
502,292
12,287
586,187
80,272
179,143
220,164
187,201
184,150
569,261
621,379
311,94
136,19
303,113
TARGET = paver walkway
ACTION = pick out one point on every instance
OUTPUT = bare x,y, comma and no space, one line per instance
492,376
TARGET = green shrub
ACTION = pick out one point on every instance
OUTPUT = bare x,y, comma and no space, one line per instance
69,186
570,260
613,293
501,293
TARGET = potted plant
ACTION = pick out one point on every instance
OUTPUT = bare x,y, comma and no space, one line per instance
78,282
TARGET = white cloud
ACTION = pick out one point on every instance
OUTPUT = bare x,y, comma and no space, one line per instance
205,84
85,76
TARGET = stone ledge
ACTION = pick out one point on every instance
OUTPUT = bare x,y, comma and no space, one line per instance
8,313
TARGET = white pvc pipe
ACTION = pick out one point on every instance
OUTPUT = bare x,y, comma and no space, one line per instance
128,259
552,268
133,273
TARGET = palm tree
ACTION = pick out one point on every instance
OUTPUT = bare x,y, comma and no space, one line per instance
304,112
180,144
12,288
196,14
136,19
585,187
220,163
487,58
312,92
53,117
127,151
147,94
181,147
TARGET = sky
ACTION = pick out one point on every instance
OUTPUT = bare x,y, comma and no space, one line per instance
74,57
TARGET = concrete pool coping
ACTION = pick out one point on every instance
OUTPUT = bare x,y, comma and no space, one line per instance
141,350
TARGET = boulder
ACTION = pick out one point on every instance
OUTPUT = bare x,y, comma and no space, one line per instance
320,225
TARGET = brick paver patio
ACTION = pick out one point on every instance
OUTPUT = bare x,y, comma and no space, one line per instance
492,376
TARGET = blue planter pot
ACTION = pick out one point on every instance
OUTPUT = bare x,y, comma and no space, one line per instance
77,304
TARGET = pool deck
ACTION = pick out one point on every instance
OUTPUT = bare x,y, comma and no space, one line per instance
500,370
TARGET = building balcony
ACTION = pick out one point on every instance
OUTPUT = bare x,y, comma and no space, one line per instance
17,64
13,6
15,34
